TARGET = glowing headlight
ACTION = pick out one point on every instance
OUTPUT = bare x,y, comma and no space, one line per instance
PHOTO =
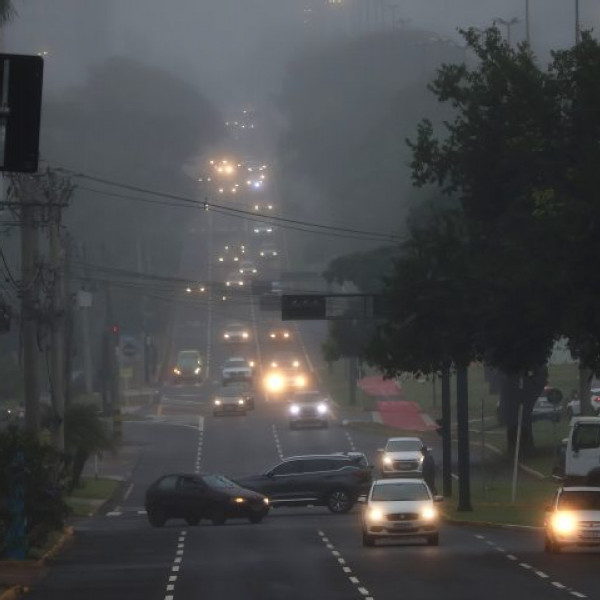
176,371
429,514
387,460
266,500
227,283
217,402
196,370
221,259
241,402
240,282
251,364
286,335
262,253
272,335
564,523
300,381
245,335
274,383
274,253
295,409
321,409
254,270
241,270
239,500
296,364
226,336
375,515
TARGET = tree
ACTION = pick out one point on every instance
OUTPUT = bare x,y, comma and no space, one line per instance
7,11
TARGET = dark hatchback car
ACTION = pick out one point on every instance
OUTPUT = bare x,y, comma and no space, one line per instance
203,496
332,480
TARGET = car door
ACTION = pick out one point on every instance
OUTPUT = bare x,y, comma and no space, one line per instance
284,482
321,476
164,495
192,495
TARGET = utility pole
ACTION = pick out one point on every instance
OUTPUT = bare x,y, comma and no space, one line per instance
508,24
462,418
29,302
577,28
446,433
527,22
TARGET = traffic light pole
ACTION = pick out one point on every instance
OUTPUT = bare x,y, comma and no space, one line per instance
446,434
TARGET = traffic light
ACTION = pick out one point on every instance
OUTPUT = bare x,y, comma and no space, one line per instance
115,334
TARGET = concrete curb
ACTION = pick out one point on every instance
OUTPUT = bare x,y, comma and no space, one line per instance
491,524
16,591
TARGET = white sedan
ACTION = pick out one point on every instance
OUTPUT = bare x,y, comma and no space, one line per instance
400,508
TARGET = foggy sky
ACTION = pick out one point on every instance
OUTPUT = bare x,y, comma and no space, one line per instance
236,48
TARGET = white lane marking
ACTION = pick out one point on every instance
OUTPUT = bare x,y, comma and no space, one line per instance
142,512
578,595
525,566
480,537
128,492
454,476
558,585
169,597
490,543
277,442
500,549
178,559
541,574
175,568
114,513
170,587
176,564
511,557
347,570
209,303
172,578
329,546
350,441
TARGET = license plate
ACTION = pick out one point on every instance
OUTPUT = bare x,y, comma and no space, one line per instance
403,526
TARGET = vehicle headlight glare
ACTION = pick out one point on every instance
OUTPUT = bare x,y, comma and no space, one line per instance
322,409
176,371
295,409
387,460
241,402
300,381
239,500
266,500
197,371
375,515
564,523
226,335
217,402
245,335
429,514
274,383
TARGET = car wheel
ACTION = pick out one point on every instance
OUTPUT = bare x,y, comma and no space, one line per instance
218,516
157,517
339,501
368,540
433,539
256,518
192,521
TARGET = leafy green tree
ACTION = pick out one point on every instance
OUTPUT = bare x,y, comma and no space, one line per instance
7,11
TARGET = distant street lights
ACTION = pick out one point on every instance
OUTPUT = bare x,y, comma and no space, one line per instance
508,24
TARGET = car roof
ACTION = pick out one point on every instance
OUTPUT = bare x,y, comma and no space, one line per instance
398,439
406,480
580,488
336,455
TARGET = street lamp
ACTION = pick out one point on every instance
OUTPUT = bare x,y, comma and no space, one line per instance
508,24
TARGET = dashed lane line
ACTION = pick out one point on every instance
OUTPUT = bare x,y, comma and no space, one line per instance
175,567
541,574
350,441
355,581
277,442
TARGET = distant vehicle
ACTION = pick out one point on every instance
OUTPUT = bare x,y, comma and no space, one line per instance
574,406
309,408
246,390
402,457
400,508
279,334
236,332
247,268
280,382
332,480
284,360
236,368
203,496
263,207
235,280
229,400
188,367
573,518
544,410
268,251
582,454
263,229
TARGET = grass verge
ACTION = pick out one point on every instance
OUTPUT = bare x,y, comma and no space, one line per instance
90,495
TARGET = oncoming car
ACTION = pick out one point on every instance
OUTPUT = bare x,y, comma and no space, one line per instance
573,518
279,334
402,457
236,332
188,367
309,408
400,508
229,400
279,382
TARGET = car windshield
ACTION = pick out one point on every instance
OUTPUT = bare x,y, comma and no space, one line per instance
309,397
236,362
400,492
218,482
403,445
227,392
188,360
579,500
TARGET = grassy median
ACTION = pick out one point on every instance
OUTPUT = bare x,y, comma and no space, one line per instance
90,495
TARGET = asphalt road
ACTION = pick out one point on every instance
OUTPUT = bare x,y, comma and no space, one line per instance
295,553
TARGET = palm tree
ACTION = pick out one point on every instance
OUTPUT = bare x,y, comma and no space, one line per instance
7,11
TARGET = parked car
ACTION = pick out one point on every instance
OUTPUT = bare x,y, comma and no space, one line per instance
573,518
544,410
309,408
402,457
202,496
400,508
332,480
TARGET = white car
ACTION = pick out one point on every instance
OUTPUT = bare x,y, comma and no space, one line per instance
236,332
573,518
236,368
400,508
402,457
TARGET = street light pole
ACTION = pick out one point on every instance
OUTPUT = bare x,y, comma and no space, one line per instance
508,24
577,30
527,32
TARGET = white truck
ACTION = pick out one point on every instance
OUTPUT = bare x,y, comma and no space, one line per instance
582,451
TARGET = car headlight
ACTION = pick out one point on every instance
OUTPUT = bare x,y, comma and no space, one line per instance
429,514
300,381
226,336
217,402
241,402
266,500
564,523
321,409
227,283
251,364
387,460
274,383
239,500
245,335
272,335
294,409
286,335
375,515
176,371
296,364
254,270
242,271
262,253
196,370
274,365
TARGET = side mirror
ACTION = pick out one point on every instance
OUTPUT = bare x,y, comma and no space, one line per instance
438,498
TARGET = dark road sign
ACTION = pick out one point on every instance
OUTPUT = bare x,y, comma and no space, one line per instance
20,112
330,307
